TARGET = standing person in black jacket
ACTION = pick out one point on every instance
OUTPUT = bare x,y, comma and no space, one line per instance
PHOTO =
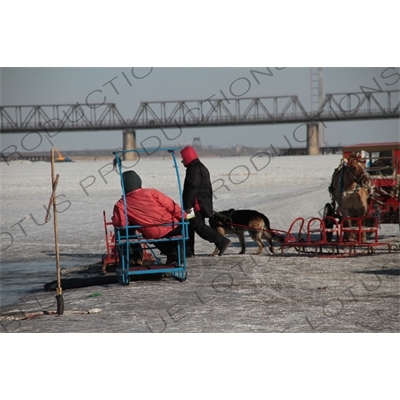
197,202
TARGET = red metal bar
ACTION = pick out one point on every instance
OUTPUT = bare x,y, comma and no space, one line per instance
318,225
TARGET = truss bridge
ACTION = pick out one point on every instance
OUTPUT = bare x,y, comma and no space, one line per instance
199,113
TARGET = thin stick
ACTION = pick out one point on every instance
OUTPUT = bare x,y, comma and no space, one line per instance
53,180
46,220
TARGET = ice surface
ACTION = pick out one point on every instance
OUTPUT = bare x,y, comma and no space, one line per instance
282,188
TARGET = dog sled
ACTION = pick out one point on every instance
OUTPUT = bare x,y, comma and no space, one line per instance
323,237
328,237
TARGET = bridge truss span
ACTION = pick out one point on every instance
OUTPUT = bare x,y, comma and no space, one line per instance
57,117
199,113
215,112
360,105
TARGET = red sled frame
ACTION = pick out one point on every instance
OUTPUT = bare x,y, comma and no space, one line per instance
111,257
316,237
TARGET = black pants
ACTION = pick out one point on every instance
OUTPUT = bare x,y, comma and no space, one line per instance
170,249
198,225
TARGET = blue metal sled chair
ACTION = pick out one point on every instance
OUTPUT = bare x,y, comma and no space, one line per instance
128,238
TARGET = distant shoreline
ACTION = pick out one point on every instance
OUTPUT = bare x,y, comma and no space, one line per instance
107,154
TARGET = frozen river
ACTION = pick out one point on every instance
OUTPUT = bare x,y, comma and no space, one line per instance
282,188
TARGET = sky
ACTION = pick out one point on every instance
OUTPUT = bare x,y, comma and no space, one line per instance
36,86
196,52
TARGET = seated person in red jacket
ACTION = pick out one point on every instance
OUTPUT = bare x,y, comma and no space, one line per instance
149,208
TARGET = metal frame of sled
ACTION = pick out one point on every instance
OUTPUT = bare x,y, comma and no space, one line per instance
128,235
111,256
328,233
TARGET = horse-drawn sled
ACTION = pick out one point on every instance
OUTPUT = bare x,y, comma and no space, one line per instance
366,183
364,193
383,166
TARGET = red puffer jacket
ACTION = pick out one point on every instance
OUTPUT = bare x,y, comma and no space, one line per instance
148,208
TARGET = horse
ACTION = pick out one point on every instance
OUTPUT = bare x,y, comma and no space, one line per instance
350,189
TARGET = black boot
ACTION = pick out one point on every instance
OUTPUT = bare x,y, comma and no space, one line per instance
223,246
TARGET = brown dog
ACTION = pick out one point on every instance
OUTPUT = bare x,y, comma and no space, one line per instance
239,221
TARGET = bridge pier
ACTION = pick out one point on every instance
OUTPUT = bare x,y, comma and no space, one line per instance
129,143
312,140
